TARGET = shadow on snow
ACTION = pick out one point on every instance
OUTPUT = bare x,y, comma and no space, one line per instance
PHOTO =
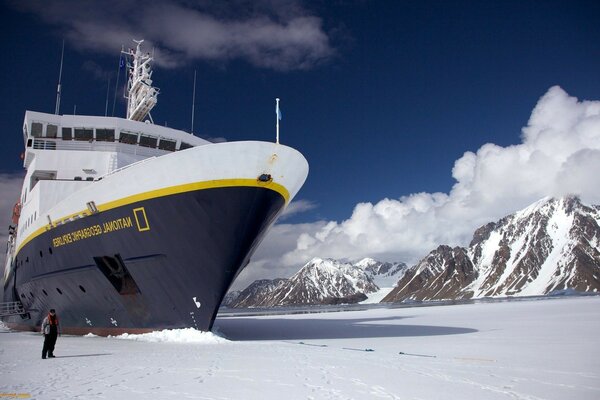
295,329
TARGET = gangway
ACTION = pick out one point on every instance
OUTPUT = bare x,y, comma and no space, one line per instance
12,308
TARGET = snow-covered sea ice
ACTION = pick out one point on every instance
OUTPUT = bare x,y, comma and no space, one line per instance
527,349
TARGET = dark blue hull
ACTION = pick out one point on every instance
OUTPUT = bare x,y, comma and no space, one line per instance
163,262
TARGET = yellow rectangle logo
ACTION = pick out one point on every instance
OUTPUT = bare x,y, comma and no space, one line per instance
140,219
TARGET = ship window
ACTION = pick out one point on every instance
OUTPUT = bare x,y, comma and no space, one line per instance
148,141
129,138
29,142
89,178
82,288
59,291
84,134
36,129
67,133
77,178
50,250
184,146
51,131
116,272
165,144
105,135
44,291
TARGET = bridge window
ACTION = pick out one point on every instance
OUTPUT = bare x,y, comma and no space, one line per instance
184,146
84,134
67,133
51,131
36,129
165,144
129,138
105,135
148,141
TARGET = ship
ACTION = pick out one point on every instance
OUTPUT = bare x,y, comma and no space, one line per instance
125,226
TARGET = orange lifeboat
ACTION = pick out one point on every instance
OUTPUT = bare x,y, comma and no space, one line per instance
16,213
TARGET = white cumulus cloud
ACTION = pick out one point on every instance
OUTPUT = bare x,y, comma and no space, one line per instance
559,155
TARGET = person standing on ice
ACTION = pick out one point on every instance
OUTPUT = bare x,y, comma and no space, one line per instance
50,329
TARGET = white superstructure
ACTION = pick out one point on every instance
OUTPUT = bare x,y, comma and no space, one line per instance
73,151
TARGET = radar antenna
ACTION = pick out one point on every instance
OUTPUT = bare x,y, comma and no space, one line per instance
141,95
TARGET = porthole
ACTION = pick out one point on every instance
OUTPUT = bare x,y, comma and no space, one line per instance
58,290
82,288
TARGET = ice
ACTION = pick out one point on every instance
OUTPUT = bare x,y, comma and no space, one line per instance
520,349
188,335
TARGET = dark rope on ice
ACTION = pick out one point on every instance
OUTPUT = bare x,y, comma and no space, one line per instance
416,355
350,348
311,344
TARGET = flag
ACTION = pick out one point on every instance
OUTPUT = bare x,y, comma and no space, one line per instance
278,111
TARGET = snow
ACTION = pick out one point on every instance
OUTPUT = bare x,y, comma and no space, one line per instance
519,349
376,297
559,225
189,335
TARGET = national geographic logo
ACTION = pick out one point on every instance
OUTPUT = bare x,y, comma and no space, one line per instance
126,222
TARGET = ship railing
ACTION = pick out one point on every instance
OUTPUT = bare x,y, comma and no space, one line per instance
117,147
11,308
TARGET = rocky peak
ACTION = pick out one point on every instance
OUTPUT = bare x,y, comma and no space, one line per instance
553,244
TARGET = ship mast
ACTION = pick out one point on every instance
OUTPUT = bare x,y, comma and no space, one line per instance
141,95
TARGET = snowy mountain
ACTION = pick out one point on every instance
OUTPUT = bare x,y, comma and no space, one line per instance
384,274
254,294
554,244
230,297
324,281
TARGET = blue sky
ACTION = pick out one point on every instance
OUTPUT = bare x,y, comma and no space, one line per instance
382,97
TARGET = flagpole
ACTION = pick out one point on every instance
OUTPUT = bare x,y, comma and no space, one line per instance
277,115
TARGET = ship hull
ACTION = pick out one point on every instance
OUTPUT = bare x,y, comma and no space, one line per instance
161,263
164,253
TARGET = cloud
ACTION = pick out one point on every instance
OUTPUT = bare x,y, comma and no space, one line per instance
559,155
280,239
267,34
297,207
